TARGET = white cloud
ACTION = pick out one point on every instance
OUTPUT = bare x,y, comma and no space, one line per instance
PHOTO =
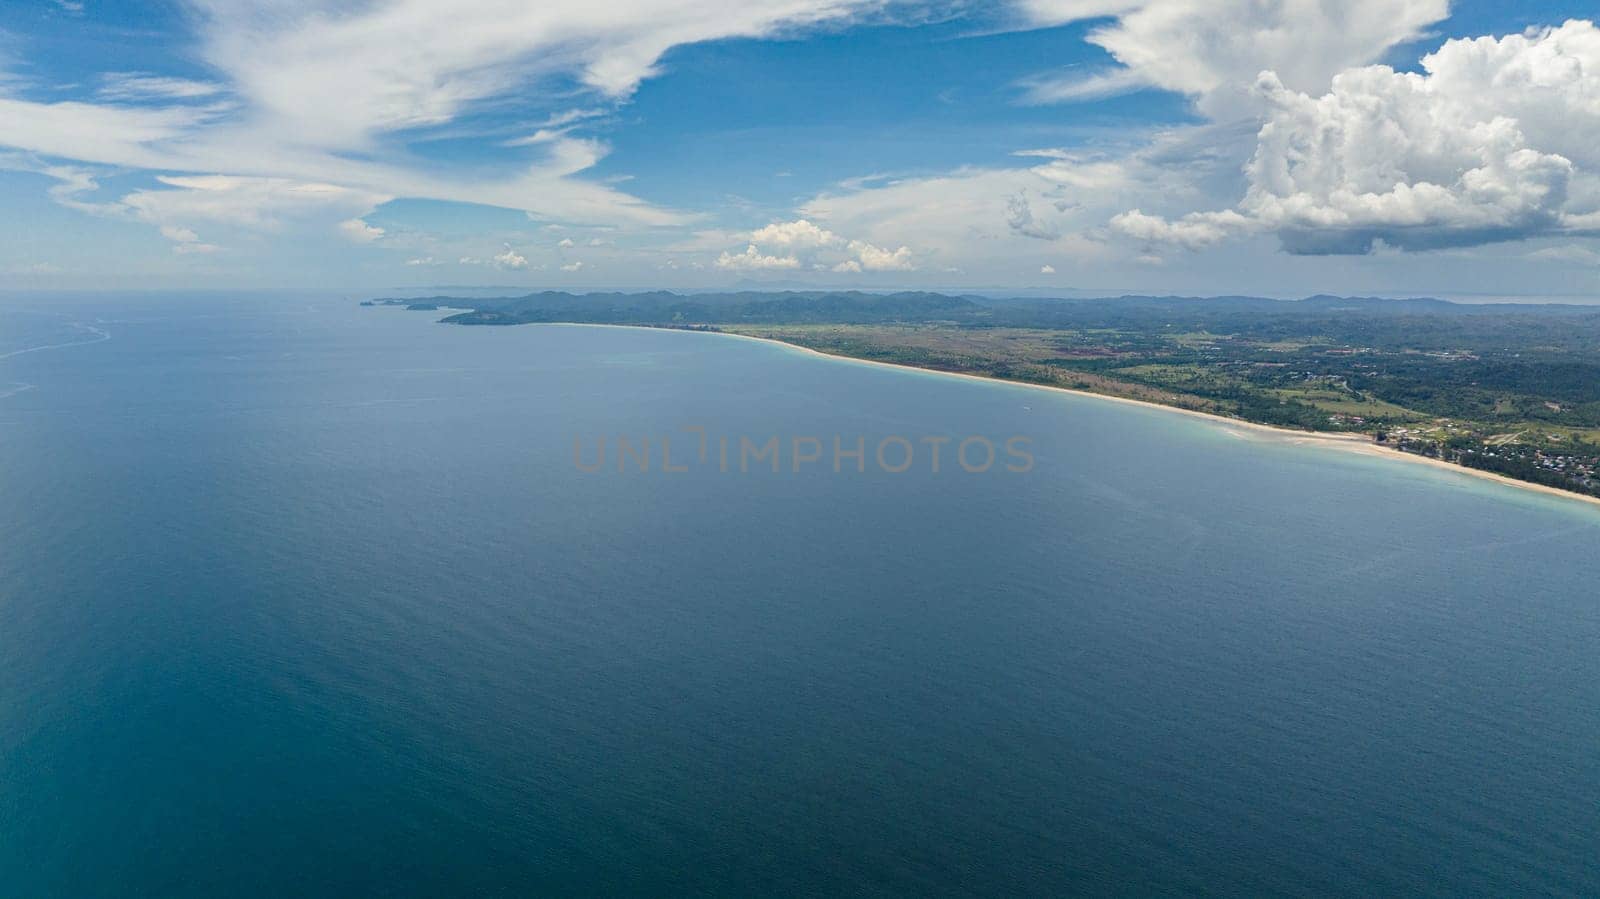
1492,139
89,132
258,204
1213,49
1496,139
72,182
1047,269
510,259
566,243
752,260
317,90
1073,87
186,241
799,234
507,259
817,248
571,117
556,125
997,218
423,261
359,231
574,266
412,63
145,86
1194,231
1060,12
1080,203
1569,253
185,204
542,136
877,259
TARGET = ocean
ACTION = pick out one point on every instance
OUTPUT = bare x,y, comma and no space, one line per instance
304,598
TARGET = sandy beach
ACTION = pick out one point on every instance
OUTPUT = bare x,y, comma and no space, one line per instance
1354,443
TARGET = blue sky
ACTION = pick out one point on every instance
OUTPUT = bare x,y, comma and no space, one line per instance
1193,146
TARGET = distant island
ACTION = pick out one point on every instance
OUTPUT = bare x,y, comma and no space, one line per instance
1509,389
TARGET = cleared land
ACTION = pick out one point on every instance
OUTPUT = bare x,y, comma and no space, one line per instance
1513,390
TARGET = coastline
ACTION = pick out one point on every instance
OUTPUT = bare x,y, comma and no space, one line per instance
1353,443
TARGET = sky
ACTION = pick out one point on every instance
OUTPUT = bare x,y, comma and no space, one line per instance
1201,147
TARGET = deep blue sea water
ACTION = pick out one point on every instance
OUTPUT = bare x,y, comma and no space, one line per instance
301,598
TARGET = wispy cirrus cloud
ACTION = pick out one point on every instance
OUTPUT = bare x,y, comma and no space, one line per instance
324,93
304,115
125,86
1075,86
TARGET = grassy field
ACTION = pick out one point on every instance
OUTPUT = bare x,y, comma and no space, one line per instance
1010,354
1063,358
1510,389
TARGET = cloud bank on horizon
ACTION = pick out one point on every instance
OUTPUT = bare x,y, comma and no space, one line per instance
1199,145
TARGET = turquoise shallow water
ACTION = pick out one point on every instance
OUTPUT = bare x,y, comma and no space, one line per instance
303,598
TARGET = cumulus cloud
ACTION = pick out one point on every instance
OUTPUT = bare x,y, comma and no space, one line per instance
1088,206
815,247
1492,139
1496,139
1047,269
510,259
877,259
186,241
1213,49
753,260
359,231
799,233
1194,231
507,259
574,266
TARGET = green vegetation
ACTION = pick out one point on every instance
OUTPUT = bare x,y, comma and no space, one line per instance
1513,389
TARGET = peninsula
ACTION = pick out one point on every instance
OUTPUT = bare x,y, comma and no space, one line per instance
1508,389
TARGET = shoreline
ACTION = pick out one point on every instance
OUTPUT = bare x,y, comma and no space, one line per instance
1359,444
